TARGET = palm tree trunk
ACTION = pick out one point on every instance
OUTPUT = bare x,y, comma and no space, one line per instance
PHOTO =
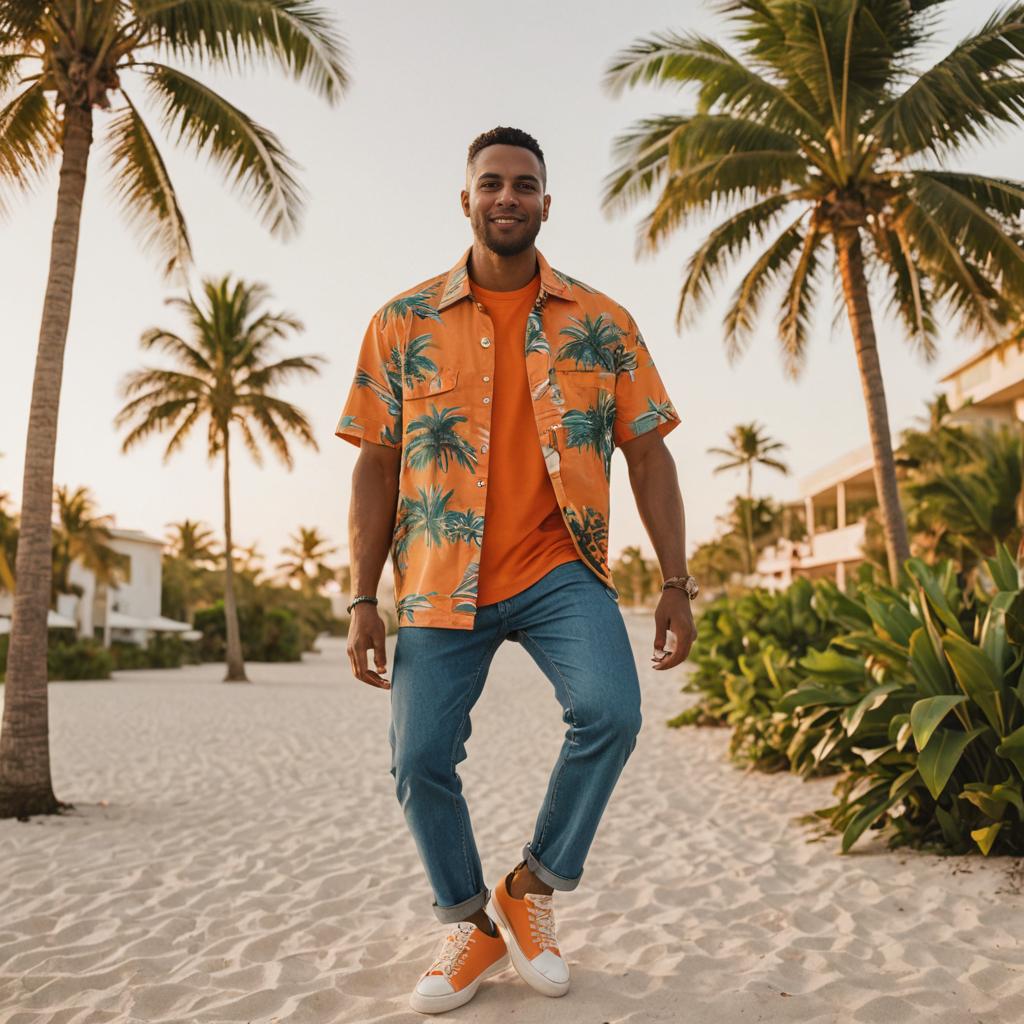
235,664
858,308
25,783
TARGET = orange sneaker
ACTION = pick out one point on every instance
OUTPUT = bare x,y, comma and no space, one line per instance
529,924
465,957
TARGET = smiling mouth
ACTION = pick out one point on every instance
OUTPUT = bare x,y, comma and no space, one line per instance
506,220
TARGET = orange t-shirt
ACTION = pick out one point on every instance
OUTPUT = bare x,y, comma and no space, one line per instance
525,535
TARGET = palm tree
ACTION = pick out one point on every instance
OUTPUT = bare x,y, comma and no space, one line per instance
749,446
63,59
81,535
306,559
817,136
193,542
190,556
224,375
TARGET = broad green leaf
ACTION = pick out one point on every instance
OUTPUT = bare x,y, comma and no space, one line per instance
1015,620
985,837
928,713
1012,748
931,670
1003,568
993,632
939,759
992,799
901,780
868,817
851,717
933,591
804,696
871,754
833,666
978,678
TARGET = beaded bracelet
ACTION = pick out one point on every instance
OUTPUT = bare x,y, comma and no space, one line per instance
358,600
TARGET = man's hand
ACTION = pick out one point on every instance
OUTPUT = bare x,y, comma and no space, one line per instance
366,630
673,613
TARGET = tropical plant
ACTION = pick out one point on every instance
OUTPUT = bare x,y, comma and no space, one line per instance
62,60
225,375
8,543
82,535
939,733
188,568
748,447
818,136
193,542
305,559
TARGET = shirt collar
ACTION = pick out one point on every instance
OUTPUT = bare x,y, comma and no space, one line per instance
456,282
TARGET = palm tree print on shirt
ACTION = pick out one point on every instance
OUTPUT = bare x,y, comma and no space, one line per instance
416,304
430,518
591,534
536,341
411,603
657,412
390,396
416,367
592,341
437,442
592,428
467,589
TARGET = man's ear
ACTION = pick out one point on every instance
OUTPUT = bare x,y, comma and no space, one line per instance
464,198
545,208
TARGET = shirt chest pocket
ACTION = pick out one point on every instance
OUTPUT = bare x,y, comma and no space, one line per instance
582,389
438,383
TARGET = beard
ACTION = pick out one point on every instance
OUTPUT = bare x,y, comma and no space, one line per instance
489,235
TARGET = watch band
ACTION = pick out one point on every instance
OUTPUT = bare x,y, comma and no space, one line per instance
360,600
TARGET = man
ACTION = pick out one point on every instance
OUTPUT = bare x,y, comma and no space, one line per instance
487,403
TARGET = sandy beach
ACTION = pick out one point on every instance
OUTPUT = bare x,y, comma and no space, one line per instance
236,854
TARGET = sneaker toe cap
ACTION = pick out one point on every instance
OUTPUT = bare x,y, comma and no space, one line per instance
554,968
434,985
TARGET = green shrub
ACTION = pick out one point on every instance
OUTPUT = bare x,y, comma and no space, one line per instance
267,634
746,656
164,650
67,657
939,735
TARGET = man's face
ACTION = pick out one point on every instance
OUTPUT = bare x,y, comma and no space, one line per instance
504,198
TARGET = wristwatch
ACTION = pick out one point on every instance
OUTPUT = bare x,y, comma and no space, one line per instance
687,583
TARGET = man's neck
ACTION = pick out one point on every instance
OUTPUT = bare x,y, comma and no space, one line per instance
502,273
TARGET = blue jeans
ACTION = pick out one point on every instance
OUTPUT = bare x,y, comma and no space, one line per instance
570,623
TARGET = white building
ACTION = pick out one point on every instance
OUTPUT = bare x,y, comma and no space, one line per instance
129,610
988,387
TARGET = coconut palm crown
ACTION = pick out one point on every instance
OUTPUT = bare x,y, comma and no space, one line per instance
815,140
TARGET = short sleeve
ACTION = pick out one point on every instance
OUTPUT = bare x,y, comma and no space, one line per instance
641,401
373,409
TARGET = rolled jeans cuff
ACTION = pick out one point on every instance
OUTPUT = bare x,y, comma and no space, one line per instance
547,876
460,911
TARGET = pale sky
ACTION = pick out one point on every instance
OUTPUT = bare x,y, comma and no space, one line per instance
383,172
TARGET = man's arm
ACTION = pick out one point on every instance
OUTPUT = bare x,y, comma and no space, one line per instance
371,521
655,483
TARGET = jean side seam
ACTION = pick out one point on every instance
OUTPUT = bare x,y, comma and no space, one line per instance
572,740
451,754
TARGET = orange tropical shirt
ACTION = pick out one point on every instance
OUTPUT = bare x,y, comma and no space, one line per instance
424,383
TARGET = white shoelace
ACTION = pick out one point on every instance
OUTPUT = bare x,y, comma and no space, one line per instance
542,921
452,950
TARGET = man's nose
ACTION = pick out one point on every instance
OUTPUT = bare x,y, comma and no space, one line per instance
508,197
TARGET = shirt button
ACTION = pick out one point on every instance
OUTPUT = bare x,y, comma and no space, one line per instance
480,306
486,342
483,447
479,483
486,401
486,378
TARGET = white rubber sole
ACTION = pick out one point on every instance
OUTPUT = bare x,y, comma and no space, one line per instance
441,1004
540,982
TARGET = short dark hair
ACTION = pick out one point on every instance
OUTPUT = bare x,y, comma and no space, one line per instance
503,136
